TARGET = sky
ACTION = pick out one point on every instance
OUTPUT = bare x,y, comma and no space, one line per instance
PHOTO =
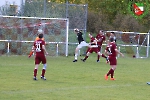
11,2
17,2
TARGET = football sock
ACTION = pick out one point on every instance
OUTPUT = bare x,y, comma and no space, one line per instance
98,56
86,57
76,56
87,50
110,72
104,56
43,72
35,72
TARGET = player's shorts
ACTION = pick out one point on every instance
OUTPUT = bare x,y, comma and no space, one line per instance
82,44
112,60
40,58
91,50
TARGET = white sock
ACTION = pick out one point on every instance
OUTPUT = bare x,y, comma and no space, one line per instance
76,56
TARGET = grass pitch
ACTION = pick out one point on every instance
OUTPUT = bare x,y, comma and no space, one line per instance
73,81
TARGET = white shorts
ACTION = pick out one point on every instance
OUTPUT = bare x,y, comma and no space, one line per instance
82,44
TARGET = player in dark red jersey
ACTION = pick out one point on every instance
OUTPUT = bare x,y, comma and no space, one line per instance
112,52
40,52
81,44
37,38
93,48
101,38
112,35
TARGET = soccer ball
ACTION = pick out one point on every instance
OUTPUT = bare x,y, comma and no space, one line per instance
40,31
76,30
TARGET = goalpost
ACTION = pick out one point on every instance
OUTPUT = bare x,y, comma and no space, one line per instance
17,34
133,44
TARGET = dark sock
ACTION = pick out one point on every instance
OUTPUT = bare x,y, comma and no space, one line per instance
87,50
112,73
109,72
43,72
98,57
35,72
86,57
104,56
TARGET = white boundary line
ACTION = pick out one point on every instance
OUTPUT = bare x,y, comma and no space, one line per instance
70,88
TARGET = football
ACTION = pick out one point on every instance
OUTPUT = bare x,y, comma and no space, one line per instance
76,30
40,31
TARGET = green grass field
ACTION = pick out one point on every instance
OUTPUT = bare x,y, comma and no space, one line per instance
74,81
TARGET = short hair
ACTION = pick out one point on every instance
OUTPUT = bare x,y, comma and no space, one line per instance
113,33
101,31
40,35
111,39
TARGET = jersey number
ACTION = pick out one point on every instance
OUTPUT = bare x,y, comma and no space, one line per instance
38,48
109,49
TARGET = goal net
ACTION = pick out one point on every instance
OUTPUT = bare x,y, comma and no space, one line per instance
17,34
132,44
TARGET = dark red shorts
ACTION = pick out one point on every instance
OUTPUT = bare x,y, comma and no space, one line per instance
40,58
113,60
93,50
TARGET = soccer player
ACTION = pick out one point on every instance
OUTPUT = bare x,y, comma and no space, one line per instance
112,35
112,52
81,44
101,38
37,38
93,48
40,52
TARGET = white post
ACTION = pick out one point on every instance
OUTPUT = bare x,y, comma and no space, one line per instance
8,48
137,52
67,29
119,50
148,43
57,49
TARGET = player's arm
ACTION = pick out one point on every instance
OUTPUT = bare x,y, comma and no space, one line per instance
95,41
33,48
43,47
106,52
31,52
119,52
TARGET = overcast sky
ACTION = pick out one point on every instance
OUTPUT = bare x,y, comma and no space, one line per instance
17,2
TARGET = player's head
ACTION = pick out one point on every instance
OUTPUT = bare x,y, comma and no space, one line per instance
101,32
40,35
111,39
90,36
112,33
76,30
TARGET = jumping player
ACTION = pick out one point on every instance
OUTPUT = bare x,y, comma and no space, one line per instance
81,44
